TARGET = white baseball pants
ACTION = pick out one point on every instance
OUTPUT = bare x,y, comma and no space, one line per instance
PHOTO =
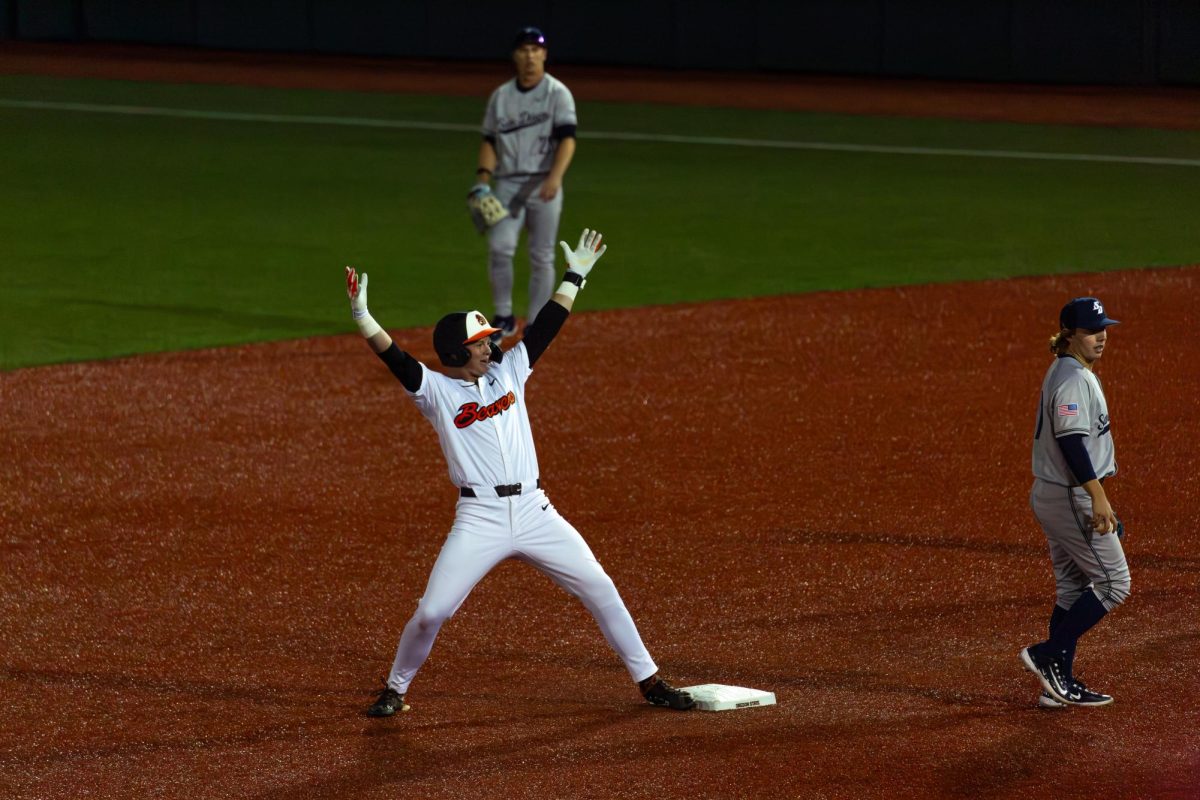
488,530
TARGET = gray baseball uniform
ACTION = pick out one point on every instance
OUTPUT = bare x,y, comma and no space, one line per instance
525,127
1072,403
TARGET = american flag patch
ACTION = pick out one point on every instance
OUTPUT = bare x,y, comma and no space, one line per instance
1068,410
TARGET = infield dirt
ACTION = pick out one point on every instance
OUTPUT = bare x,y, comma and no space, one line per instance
209,557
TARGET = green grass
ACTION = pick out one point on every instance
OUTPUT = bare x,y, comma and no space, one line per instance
126,234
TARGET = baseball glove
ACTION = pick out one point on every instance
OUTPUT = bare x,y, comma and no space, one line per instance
485,208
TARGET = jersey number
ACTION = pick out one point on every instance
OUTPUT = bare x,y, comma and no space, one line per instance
543,145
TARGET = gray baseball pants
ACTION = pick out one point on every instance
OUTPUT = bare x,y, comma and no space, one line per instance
540,217
1082,558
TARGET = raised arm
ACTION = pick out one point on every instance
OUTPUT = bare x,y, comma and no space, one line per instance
406,368
580,261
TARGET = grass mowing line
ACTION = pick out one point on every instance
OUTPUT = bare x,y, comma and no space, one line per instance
720,141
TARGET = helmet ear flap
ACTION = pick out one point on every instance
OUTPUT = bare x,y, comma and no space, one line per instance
455,358
497,353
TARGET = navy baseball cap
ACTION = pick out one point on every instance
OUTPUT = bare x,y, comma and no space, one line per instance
529,35
1084,312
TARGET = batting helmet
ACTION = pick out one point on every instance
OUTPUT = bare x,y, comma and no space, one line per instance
455,331
529,35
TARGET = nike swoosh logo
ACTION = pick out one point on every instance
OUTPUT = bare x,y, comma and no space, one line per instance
545,506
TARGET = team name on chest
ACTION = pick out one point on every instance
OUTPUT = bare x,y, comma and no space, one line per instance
470,413
523,120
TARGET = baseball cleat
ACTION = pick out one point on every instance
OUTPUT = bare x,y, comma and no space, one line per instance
507,326
388,703
660,693
1047,701
1083,696
1049,671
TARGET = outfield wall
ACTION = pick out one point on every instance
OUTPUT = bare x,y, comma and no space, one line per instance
1122,42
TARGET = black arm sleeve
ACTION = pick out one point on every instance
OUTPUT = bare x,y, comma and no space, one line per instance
562,132
403,366
1077,458
542,330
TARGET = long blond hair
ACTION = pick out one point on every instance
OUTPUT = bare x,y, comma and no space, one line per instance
1061,341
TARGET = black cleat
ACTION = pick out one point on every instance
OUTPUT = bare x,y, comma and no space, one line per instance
1049,671
507,326
1081,695
388,703
660,693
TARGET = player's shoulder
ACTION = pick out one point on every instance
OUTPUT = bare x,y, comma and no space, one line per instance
433,381
504,89
516,357
1068,373
555,86
1067,367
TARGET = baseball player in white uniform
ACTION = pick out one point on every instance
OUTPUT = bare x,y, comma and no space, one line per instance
528,143
1073,457
478,411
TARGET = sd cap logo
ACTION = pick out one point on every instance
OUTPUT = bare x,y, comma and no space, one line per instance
1099,309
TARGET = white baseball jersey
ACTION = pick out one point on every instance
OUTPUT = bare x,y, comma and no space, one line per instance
522,123
483,427
1072,402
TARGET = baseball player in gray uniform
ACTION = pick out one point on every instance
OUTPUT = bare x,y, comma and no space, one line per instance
478,411
1073,456
528,143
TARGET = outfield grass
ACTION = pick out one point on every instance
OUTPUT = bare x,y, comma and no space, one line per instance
122,234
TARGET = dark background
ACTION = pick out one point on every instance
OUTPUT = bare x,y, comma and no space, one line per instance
1123,42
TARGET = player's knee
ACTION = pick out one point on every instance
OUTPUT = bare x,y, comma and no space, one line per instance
598,590
430,617
501,252
541,259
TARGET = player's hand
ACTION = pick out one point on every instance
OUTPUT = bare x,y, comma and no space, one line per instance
1103,518
585,256
549,188
356,289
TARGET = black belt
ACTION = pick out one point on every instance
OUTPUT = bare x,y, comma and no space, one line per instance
507,490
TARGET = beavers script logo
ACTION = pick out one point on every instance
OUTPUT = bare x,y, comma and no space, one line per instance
469,413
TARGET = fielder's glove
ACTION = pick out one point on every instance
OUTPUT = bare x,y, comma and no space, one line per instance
584,257
485,208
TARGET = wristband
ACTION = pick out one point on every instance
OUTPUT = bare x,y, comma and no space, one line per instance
482,170
569,289
575,278
367,325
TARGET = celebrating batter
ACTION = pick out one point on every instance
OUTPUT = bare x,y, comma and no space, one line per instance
478,410
528,143
1073,456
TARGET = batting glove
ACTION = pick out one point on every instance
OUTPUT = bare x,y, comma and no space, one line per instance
357,291
585,256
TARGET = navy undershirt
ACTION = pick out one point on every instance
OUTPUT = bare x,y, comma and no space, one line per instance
1077,457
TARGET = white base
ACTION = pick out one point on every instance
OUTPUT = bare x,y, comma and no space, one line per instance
719,697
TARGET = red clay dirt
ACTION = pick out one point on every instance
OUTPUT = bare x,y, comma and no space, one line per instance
208,558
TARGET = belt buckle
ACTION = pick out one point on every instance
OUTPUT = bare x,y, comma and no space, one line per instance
514,488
